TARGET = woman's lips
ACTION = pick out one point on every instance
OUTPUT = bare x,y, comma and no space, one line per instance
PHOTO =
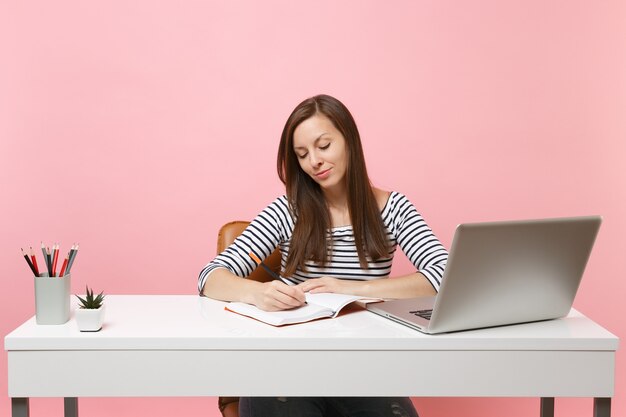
323,174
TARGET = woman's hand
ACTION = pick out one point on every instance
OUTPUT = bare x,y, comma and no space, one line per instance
276,295
328,284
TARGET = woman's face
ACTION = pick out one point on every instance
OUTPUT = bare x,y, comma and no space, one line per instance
321,151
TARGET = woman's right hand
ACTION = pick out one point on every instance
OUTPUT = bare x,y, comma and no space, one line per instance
276,295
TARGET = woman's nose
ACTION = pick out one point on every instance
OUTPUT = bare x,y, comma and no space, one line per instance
315,160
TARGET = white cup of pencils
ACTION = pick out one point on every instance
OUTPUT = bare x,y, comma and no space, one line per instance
52,289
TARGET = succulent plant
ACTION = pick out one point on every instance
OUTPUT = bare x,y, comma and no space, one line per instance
90,302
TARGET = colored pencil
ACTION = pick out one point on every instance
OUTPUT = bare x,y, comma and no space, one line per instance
55,257
49,261
45,257
34,259
72,255
30,264
62,273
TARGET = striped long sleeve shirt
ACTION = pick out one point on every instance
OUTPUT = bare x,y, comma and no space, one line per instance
273,227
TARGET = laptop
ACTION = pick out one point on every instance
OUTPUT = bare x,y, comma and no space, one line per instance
502,273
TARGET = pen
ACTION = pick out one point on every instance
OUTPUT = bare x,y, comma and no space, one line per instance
267,268
30,264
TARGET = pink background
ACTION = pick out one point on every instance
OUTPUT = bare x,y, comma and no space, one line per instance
137,128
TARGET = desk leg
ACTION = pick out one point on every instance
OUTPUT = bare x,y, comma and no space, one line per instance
547,407
19,407
71,406
602,407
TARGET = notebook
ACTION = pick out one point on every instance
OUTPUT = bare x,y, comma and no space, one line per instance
318,306
502,273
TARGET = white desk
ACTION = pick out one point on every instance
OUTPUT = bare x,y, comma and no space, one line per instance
155,345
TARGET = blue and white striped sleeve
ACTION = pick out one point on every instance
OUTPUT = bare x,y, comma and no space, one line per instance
261,237
418,242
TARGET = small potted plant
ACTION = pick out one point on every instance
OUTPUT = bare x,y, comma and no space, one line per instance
90,314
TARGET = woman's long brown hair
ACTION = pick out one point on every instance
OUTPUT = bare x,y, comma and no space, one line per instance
306,200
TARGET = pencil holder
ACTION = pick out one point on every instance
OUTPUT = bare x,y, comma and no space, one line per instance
52,299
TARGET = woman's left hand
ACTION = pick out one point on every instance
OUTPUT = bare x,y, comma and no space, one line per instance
326,284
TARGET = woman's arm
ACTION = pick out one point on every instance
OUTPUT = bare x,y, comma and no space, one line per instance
408,286
417,241
222,277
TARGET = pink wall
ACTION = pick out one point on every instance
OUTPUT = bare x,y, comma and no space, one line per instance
118,119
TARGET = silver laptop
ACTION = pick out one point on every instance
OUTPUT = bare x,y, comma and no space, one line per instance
503,273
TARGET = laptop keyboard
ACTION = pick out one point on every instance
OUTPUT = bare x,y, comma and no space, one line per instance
425,314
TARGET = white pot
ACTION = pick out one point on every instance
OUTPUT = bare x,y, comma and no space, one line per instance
89,320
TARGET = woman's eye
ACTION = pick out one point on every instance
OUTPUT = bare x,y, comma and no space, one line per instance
325,146
302,156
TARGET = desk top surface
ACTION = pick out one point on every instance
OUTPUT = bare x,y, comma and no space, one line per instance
188,322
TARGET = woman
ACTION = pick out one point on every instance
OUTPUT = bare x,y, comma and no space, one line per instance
336,232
